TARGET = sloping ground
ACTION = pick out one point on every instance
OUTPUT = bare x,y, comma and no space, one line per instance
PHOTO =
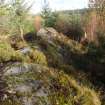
44,74
57,47
62,51
33,84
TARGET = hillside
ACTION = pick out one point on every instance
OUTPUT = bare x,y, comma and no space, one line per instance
76,11
42,71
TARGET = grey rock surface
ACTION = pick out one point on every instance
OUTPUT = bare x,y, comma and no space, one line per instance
29,91
47,32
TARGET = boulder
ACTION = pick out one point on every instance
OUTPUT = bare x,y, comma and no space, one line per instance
26,88
25,50
35,84
47,33
19,68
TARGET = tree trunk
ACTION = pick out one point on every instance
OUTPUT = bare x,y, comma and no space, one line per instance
21,34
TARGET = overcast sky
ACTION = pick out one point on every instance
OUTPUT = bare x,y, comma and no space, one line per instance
60,5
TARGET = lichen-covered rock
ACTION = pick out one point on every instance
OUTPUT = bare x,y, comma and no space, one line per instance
47,33
35,84
25,50
19,68
25,84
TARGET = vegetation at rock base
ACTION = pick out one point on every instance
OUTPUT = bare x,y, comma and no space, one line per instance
38,57
7,53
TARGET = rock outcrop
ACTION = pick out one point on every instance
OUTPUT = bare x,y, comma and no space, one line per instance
49,77
33,84
48,33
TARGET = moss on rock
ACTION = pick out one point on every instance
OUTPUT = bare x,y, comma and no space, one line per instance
7,53
51,86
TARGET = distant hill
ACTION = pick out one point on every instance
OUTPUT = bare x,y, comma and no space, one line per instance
76,11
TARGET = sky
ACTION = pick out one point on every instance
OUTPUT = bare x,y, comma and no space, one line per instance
59,5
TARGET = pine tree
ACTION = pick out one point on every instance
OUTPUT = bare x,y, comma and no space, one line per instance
48,16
